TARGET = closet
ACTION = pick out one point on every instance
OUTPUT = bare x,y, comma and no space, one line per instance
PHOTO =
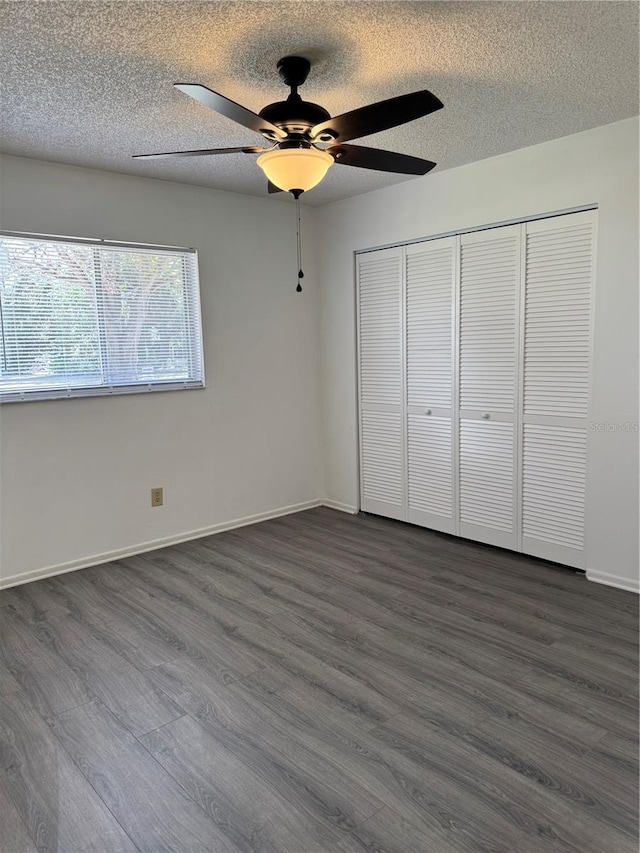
473,360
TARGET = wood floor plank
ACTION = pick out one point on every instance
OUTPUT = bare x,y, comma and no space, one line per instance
352,688
432,551
553,762
32,601
101,614
304,556
616,714
485,614
192,631
14,834
377,540
50,684
190,572
178,586
388,832
519,571
153,809
293,585
571,613
605,651
264,743
428,796
60,809
280,581
620,756
530,804
353,755
273,649
468,698
248,806
492,572
126,691
573,667
8,684
424,681
507,655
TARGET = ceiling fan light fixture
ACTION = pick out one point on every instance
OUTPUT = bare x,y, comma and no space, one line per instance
295,168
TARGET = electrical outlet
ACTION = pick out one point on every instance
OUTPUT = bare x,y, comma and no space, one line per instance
156,496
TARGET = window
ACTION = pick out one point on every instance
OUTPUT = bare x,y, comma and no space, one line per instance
83,317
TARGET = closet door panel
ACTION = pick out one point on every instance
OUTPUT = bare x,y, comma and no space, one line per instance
382,463
489,284
553,492
487,482
430,269
556,379
382,466
490,281
430,317
558,316
430,467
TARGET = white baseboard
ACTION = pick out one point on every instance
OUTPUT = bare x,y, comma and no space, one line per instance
110,556
619,581
352,510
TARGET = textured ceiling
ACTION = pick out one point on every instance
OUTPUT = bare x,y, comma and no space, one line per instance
90,83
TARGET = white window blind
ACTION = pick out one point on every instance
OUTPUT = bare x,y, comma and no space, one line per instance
81,318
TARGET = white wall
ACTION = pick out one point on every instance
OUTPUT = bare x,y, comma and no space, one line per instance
76,474
600,166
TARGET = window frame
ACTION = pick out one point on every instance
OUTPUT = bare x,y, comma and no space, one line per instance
49,390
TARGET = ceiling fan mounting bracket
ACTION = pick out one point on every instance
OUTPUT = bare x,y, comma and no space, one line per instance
293,70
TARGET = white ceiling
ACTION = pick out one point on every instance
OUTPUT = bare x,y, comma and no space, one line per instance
90,83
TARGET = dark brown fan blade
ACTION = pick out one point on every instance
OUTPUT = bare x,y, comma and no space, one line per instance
376,158
253,149
379,116
272,188
230,109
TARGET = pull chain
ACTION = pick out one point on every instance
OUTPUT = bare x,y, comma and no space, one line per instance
298,241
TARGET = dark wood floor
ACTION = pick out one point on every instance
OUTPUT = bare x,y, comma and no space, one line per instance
319,684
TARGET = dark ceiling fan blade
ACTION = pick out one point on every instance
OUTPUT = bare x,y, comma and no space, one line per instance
379,116
383,161
272,188
248,149
230,109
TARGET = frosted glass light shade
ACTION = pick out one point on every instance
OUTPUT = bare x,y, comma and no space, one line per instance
295,168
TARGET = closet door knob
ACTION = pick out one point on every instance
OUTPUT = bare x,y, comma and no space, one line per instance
428,412
486,416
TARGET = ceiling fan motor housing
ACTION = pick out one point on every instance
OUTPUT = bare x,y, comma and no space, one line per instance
294,115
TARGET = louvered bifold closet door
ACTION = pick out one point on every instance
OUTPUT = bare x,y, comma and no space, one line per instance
380,334
430,301
490,273
557,324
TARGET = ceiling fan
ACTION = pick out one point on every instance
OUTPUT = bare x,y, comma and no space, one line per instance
305,140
